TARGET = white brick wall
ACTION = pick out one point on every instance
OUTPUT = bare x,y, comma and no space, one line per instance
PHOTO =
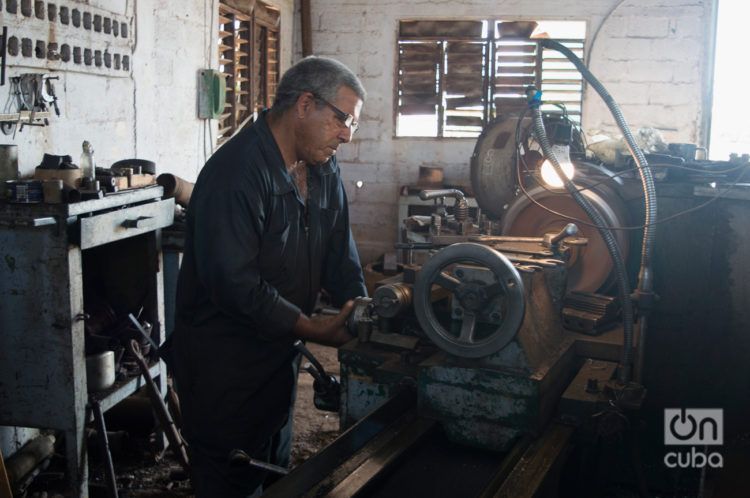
151,114
650,54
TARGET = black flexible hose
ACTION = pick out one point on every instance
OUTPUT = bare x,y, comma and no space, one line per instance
645,274
623,284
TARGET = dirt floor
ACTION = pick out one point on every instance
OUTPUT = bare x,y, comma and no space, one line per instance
140,474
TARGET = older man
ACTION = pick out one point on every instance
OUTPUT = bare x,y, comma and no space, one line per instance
267,229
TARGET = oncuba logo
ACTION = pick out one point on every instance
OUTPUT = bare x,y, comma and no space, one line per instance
693,427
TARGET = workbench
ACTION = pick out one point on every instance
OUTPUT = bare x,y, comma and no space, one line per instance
51,256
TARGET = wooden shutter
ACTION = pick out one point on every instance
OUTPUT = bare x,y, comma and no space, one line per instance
440,73
464,73
419,63
266,60
249,51
515,68
464,87
519,62
560,80
234,35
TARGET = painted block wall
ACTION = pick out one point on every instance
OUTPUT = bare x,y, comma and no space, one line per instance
650,54
148,112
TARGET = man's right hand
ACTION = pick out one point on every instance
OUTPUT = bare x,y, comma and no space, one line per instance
329,330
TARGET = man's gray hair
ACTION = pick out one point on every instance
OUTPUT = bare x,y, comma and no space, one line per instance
319,75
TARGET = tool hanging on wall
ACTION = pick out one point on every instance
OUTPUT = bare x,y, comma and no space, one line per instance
3,54
33,94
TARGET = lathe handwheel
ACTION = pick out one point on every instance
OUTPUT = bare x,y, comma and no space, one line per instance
473,296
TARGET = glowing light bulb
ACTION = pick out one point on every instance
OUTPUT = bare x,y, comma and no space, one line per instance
549,175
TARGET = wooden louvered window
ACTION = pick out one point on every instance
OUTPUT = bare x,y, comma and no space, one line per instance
455,76
249,51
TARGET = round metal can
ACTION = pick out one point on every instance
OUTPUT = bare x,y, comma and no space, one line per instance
100,371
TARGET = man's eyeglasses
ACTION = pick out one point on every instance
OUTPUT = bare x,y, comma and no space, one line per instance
345,118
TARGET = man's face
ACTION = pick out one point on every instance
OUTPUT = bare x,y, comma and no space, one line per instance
325,126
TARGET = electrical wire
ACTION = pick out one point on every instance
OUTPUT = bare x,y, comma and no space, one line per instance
599,28
134,37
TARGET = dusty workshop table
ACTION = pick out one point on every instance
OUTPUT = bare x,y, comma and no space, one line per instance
50,256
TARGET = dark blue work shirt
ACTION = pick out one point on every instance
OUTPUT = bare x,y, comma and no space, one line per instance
255,256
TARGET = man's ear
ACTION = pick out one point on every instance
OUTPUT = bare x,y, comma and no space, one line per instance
305,103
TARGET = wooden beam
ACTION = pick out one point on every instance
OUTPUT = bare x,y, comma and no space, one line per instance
239,6
307,48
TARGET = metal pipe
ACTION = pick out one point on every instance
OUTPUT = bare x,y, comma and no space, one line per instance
25,460
179,447
176,187
426,195
109,469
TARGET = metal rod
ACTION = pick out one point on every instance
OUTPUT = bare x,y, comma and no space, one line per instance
300,346
109,469
179,447
240,457
143,332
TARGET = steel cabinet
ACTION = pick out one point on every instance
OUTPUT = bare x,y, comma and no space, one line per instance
48,255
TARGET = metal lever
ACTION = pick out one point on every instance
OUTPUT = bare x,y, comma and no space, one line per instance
300,346
426,195
327,389
462,206
313,373
140,222
239,457
551,240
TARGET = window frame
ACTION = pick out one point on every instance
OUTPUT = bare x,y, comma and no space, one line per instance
250,60
491,42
